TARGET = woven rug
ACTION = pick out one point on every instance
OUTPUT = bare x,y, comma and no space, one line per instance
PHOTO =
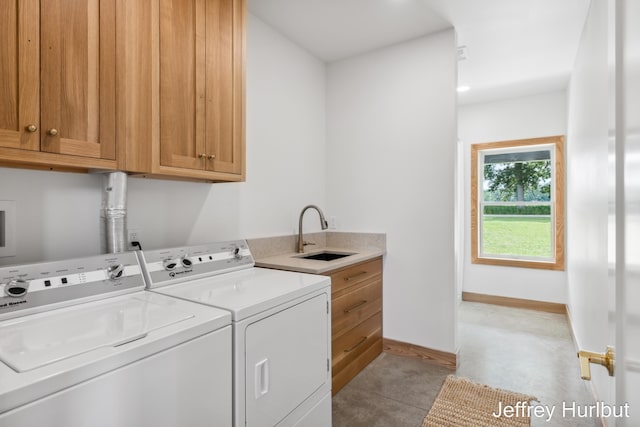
463,403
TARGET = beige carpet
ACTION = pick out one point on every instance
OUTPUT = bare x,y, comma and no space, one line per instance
463,403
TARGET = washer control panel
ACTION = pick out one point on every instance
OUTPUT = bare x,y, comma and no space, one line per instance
38,287
168,266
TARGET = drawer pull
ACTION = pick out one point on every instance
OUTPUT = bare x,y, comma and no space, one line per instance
363,339
355,275
354,306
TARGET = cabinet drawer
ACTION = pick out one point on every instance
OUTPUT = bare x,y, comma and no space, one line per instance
340,378
355,306
351,276
350,345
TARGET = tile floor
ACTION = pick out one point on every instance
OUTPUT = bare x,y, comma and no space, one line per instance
524,351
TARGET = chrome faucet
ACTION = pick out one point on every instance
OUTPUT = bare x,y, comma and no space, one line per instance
323,225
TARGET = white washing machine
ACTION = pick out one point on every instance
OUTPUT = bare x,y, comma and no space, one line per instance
83,344
281,329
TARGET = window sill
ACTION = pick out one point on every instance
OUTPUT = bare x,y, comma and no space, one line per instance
503,262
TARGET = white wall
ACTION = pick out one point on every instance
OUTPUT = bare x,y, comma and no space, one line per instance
58,213
391,140
519,118
587,188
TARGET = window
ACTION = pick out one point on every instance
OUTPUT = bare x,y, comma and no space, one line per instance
517,203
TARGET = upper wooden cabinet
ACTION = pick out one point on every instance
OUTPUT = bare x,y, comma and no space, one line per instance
58,86
183,88
151,87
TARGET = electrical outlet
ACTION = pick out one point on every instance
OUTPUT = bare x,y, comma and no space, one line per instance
7,228
333,223
135,235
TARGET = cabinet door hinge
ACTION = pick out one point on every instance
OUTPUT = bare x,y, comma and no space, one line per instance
328,365
327,307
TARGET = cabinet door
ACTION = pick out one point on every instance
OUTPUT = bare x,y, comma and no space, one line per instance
225,22
182,83
78,77
19,74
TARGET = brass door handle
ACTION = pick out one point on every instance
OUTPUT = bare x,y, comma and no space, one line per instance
202,156
52,132
212,156
31,128
606,359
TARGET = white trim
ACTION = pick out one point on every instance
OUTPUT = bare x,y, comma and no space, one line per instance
519,148
518,258
515,216
531,203
552,199
482,203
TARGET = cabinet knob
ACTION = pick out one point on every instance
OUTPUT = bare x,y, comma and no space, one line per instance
202,156
212,156
31,128
52,131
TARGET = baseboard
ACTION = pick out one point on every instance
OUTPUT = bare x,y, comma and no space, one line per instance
572,331
549,307
588,384
438,357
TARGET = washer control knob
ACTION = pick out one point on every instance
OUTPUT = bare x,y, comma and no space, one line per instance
186,261
16,288
169,264
236,253
115,271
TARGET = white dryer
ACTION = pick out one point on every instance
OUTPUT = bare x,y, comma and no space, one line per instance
281,329
83,344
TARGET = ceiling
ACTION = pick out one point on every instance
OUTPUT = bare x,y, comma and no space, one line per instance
513,47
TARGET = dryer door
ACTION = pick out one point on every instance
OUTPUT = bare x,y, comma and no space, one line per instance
286,360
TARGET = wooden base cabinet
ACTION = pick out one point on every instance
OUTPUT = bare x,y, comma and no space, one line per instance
58,68
356,319
182,92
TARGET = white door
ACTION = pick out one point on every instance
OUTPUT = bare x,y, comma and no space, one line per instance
628,209
623,310
606,310
286,360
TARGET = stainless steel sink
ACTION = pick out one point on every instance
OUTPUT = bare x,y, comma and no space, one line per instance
325,255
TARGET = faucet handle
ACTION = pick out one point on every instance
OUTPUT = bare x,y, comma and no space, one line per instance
305,243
